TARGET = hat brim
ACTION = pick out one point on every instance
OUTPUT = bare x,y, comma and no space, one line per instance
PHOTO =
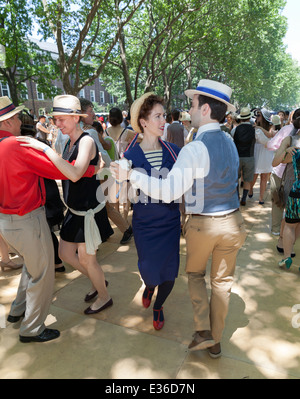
191,92
246,117
135,111
11,113
66,114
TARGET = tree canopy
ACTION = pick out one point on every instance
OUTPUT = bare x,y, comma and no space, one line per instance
164,46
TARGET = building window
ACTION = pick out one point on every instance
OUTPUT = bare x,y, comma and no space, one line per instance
40,96
92,96
25,93
81,93
5,89
102,100
111,98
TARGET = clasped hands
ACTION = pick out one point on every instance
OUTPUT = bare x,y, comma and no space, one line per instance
121,169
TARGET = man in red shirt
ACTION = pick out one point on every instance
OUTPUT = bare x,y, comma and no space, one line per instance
23,224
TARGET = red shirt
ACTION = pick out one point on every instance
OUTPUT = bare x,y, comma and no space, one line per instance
22,170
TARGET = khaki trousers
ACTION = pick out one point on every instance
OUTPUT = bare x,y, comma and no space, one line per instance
221,238
277,213
30,236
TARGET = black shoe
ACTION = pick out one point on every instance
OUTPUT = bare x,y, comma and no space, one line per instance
60,269
281,251
93,295
127,236
106,305
243,202
47,335
14,319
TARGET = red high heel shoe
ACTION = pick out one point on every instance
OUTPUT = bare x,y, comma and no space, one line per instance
158,319
147,297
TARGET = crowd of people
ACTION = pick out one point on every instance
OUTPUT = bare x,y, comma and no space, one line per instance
185,168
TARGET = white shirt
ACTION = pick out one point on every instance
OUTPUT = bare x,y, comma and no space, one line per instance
193,162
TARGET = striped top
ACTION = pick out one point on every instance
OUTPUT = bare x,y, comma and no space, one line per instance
154,158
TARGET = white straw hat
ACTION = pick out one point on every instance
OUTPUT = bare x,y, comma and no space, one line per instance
184,116
213,89
8,109
67,105
266,114
276,120
245,113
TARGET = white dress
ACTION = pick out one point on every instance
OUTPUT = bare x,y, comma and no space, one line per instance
263,157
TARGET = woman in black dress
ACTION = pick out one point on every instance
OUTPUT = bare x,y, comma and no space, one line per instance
86,215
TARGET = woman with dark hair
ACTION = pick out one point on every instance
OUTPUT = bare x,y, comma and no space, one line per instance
156,226
289,152
120,135
263,157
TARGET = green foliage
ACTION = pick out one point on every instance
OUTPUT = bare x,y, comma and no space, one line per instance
23,59
161,45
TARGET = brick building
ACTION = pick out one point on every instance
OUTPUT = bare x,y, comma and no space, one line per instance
36,100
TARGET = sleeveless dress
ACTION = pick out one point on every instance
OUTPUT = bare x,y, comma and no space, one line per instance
81,196
156,226
292,214
263,159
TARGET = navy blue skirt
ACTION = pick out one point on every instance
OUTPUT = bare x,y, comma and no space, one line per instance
156,229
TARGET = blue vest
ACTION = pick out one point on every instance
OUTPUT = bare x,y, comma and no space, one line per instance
218,191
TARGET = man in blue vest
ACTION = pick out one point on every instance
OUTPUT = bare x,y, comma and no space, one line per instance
206,172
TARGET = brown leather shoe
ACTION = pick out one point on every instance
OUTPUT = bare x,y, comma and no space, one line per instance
202,340
215,351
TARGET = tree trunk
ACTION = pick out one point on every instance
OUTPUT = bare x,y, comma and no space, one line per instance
167,97
125,69
11,81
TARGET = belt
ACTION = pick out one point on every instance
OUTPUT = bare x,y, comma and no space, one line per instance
214,216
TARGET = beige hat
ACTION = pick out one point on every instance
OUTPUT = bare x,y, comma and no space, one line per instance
67,105
135,111
245,113
184,116
8,109
213,89
276,120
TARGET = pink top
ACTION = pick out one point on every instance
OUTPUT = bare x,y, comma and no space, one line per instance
274,143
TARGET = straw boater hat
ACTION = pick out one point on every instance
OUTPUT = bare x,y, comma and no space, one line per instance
67,105
276,120
184,116
245,113
8,109
135,111
213,89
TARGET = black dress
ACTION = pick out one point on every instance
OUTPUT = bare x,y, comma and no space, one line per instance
81,196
